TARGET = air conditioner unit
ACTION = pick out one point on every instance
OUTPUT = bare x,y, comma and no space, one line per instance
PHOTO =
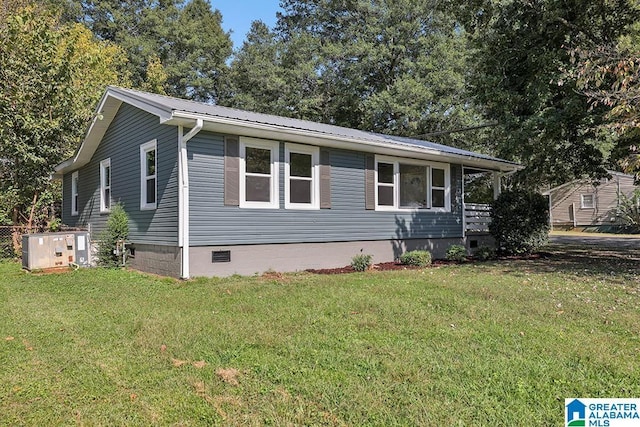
49,250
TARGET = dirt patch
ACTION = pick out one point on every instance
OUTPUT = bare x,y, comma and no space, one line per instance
228,375
51,270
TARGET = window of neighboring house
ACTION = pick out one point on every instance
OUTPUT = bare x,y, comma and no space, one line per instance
259,173
301,183
148,175
105,185
74,193
407,184
587,201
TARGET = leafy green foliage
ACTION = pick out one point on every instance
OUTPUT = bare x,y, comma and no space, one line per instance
361,262
485,253
457,253
391,67
519,222
521,50
609,75
173,47
417,258
111,239
628,210
51,76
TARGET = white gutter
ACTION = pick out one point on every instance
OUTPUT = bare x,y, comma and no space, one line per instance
183,194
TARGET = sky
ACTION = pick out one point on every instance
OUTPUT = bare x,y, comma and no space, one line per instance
237,16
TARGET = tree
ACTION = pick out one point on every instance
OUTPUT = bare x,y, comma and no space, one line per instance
521,50
272,76
187,40
387,66
610,76
51,76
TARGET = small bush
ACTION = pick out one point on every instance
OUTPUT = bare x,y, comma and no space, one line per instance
629,211
456,253
519,222
417,258
117,230
361,262
484,253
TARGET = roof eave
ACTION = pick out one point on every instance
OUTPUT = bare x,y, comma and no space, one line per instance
269,131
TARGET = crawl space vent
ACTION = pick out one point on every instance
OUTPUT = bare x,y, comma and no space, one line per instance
221,256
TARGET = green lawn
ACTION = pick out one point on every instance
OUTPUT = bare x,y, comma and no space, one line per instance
500,343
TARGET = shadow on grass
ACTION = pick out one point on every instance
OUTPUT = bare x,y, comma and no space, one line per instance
585,260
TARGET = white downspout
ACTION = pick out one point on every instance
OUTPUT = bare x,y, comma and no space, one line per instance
183,194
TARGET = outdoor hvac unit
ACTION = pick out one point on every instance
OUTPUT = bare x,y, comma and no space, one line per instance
48,250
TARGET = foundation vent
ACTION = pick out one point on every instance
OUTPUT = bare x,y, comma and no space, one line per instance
221,256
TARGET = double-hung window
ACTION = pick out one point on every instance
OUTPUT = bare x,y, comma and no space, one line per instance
74,193
105,185
404,184
259,173
301,185
148,175
587,201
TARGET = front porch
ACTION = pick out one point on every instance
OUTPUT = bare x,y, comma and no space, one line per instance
480,188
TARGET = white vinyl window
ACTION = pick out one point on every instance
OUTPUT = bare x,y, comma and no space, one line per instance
105,185
405,184
301,182
148,175
74,193
259,173
587,201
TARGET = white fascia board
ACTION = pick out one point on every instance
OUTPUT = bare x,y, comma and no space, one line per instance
103,116
162,111
280,133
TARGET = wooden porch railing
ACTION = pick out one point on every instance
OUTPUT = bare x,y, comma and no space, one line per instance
477,217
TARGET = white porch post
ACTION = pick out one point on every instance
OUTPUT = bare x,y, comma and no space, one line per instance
497,184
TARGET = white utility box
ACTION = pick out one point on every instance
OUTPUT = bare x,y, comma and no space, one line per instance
49,250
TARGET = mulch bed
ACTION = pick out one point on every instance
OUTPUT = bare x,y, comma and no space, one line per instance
383,266
389,266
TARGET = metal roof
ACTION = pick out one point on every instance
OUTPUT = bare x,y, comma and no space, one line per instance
187,106
176,111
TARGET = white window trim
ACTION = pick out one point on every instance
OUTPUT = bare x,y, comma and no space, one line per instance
396,161
103,165
315,175
593,201
274,147
74,194
144,149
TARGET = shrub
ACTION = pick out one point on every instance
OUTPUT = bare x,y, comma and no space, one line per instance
417,258
456,253
117,230
629,210
361,262
519,222
484,253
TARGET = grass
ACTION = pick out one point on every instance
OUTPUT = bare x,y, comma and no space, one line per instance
485,344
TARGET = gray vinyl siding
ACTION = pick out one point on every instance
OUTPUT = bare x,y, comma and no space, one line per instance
566,199
130,128
212,223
